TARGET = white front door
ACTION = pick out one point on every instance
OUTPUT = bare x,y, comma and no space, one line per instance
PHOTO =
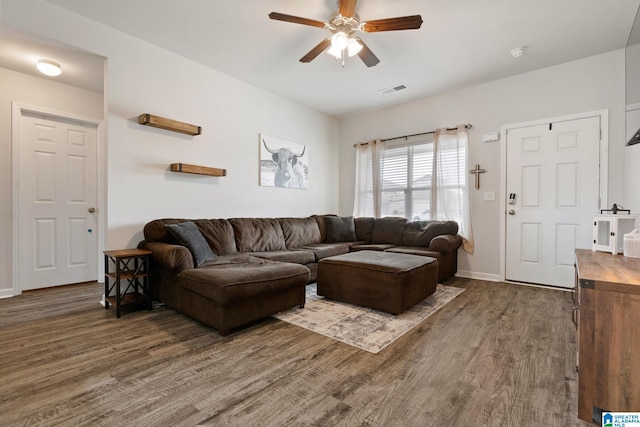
553,187
58,196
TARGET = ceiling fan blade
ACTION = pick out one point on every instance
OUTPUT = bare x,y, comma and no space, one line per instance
348,8
320,47
412,22
296,19
366,55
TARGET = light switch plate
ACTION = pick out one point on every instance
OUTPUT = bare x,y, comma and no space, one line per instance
489,196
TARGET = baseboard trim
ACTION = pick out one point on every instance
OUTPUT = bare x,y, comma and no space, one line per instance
6,293
478,276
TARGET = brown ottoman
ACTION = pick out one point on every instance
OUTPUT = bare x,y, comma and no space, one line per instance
385,281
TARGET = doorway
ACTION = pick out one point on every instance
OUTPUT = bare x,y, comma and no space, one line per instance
57,227
555,181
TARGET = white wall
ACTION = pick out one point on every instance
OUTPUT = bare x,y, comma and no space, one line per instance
21,88
143,78
589,84
632,153
632,73
232,114
632,164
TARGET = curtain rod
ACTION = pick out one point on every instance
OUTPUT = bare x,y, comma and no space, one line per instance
467,126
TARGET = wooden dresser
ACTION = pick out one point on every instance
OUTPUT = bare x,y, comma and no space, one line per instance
607,316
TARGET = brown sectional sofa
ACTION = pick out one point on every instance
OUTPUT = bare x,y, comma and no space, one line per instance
262,265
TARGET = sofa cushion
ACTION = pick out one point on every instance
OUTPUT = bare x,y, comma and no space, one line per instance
388,230
300,231
188,234
340,229
371,247
295,256
325,250
414,250
420,233
364,228
258,234
322,225
219,235
233,278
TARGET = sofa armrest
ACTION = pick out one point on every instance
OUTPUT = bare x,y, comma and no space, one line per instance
445,243
172,257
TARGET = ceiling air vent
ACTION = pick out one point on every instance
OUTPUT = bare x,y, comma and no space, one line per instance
392,89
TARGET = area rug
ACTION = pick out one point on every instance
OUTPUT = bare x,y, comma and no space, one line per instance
365,328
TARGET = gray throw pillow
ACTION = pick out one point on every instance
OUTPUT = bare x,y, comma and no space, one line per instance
340,229
188,234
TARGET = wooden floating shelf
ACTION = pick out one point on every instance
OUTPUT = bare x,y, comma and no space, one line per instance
168,124
200,170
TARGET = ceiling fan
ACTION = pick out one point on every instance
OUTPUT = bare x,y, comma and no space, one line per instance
343,24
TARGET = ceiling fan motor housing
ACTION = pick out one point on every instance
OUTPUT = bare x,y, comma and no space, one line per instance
348,26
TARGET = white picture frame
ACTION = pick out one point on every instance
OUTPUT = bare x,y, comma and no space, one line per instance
283,163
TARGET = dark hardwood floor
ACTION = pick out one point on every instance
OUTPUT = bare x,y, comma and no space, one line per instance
497,355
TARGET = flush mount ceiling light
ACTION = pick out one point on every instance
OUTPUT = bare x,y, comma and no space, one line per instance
518,52
49,67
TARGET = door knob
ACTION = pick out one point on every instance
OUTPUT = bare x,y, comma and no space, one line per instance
92,210
512,212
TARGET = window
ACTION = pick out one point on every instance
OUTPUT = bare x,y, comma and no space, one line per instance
420,178
406,180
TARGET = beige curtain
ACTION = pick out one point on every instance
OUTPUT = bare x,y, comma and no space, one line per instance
368,196
450,191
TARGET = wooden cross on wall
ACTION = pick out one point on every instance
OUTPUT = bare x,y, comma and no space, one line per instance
477,171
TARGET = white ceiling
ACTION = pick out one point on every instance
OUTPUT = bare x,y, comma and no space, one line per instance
461,42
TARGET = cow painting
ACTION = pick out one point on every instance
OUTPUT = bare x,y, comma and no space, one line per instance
289,171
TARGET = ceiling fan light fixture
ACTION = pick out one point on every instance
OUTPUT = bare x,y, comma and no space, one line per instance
335,52
49,67
353,47
343,24
339,40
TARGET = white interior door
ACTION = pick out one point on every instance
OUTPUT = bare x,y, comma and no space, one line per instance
553,171
58,196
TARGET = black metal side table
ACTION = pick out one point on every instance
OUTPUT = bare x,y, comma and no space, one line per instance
130,267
